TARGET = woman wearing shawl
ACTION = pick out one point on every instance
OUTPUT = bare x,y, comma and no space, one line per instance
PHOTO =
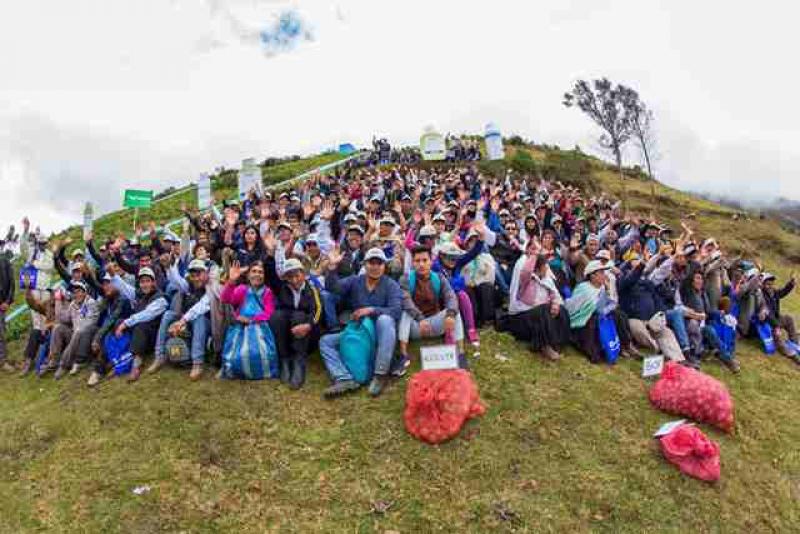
479,277
536,311
589,301
249,350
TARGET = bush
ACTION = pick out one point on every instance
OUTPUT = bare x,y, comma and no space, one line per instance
522,162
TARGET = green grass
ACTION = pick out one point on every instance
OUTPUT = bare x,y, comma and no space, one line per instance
562,448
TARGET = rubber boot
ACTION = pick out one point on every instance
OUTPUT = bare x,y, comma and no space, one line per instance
298,372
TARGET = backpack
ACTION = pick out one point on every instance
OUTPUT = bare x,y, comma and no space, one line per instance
177,351
357,344
436,282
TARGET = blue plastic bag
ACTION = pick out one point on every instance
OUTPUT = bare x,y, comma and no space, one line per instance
118,353
609,338
357,347
764,331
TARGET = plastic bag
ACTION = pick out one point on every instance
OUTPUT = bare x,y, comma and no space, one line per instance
684,391
357,344
118,353
609,339
764,331
694,454
439,402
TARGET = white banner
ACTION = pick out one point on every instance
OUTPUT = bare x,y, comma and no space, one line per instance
494,142
432,145
439,357
204,198
249,178
88,220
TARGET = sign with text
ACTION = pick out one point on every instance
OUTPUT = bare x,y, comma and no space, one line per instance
652,366
136,198
204,192
249,178
439,357
432,146
88,220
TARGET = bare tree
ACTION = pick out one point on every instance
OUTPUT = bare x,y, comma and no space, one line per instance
611,108
644,134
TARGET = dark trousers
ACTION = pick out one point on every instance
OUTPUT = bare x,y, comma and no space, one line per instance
143,337
483,303
289,346
540,328
36,339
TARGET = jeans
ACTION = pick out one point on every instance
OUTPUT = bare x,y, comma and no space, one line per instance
409,328
201,328
500,278
677,323
386,332
329,303
710,336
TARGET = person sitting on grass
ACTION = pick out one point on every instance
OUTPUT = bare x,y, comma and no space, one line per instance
84,312
697,310
782,323
149,305
588,302
295,322
113,309
191,308
373,294
249,352
536,308
430,308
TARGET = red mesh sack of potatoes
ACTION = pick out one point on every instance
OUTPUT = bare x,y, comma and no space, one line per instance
684,391
439,402
694,454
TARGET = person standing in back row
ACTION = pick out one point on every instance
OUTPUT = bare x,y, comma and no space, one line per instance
6,299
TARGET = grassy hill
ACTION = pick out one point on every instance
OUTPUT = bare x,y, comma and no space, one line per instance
563,447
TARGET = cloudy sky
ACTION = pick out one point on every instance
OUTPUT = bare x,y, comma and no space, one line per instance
97,96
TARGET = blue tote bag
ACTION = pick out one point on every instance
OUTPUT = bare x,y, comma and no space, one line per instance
609,338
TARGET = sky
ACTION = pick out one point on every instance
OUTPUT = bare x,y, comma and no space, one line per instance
103,95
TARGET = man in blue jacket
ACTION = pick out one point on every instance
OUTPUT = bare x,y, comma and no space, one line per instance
375,295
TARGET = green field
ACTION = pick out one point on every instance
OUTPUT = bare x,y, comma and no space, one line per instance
563,447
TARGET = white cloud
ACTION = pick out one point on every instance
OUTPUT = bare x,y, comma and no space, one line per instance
118,92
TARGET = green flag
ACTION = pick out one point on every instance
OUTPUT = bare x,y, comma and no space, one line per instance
135,198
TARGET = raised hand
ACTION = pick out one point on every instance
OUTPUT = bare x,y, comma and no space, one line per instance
327,210
270,242
335,257
236,271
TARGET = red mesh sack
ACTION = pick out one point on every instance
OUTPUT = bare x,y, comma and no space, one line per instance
694,454
684,391
438,402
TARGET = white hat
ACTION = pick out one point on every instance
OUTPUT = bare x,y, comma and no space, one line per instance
77,285
146,271
284,224
427,231
355,228
594,266
752,272
169,236
312,238
375,254
450,249
77,252
77,266
292,264
766,277
197,265
603,254
388,220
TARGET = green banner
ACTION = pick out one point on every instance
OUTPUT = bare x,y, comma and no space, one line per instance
135,198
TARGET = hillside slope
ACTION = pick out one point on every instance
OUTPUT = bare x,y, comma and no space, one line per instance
562,448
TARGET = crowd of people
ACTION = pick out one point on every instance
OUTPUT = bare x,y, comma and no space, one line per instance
438,253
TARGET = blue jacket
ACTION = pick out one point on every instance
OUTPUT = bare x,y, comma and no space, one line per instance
385,299
639,297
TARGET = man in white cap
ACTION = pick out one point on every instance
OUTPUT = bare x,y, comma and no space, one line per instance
295,323
190,311
589,300
149,305
84,312
372,295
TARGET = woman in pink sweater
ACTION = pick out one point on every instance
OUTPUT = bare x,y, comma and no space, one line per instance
249,351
